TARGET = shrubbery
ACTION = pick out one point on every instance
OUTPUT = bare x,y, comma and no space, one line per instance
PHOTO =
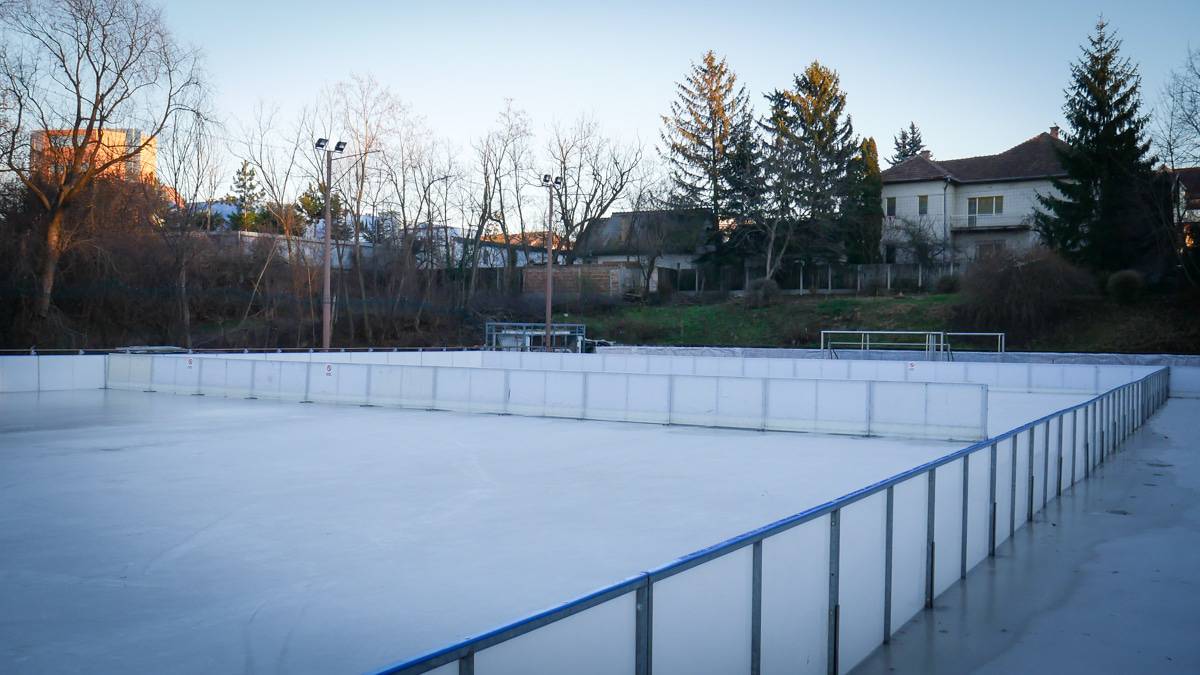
948,283
1125,286
762,293
1022,294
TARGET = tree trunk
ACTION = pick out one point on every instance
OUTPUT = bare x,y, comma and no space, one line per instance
50,264
184,312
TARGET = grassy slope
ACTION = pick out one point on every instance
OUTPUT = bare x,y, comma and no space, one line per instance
1153,325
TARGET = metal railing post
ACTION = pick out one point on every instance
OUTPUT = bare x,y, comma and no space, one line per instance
887,565
929,539
1032,476
756,609
992,489
966,491
1012,501
831,658
643,650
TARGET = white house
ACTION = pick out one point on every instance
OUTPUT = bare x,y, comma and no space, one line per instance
969,207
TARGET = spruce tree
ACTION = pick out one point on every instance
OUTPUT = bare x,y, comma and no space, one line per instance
863,212
1100,215
810,141
247,197
709,116
908,143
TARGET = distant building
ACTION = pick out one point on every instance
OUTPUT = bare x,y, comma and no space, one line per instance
1187,210
974,206
50,152
659,244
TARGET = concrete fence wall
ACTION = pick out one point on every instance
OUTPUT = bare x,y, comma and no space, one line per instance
1184,368
951,411
57,372
1020,377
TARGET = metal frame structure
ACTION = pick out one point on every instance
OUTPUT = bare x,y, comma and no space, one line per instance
565,337
935,345
1107,420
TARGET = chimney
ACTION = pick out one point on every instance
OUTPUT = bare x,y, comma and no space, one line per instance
1054,131
925,154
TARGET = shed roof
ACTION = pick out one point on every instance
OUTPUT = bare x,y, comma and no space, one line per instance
629,233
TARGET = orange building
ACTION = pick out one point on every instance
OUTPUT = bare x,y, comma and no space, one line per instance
50,152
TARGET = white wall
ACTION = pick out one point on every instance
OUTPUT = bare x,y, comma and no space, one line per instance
57,372
952,411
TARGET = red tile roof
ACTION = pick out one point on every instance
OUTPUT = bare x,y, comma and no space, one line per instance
1035,158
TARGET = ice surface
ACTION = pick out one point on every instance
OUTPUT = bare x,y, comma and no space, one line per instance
145,532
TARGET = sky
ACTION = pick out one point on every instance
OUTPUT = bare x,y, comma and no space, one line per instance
976,78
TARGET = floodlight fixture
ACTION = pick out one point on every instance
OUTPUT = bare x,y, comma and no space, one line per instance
341,145
321,143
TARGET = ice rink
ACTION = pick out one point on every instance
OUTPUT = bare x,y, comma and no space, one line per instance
160,533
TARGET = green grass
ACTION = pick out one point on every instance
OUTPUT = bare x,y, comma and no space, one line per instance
1168,324
792,322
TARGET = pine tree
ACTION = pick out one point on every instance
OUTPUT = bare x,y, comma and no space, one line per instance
312,205
710,114
247,197
908,143
810,141
863,213
1101,217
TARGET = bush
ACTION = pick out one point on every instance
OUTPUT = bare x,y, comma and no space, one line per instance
1022,294
762,293
948,283
1125,286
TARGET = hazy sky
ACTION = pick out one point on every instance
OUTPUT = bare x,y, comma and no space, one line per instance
976,78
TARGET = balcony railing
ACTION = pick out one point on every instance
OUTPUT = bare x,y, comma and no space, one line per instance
998,221
991,222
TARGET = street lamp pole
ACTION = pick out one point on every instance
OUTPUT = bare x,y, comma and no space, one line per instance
326,296
551,186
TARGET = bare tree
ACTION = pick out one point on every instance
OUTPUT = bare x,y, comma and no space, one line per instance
1176,136
369,112
595,172
70,71
275,151
190,167
650,234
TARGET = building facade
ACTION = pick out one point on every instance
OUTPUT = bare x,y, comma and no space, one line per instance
968,208
51,150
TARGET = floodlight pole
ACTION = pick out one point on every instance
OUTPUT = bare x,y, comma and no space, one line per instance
326,300
549,268
551,184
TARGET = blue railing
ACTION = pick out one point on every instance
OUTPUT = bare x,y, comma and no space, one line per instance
1097,425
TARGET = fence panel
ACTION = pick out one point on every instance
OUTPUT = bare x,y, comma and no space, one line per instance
596,641
947,534
702,617
909,552
795,599
862,553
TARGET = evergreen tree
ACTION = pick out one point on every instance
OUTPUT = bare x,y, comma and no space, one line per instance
908,143
312,206
247,197
810,141
709,117
863,213
1101,218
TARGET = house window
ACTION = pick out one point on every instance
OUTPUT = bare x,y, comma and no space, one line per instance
923,205
891,207
984,206
985,249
